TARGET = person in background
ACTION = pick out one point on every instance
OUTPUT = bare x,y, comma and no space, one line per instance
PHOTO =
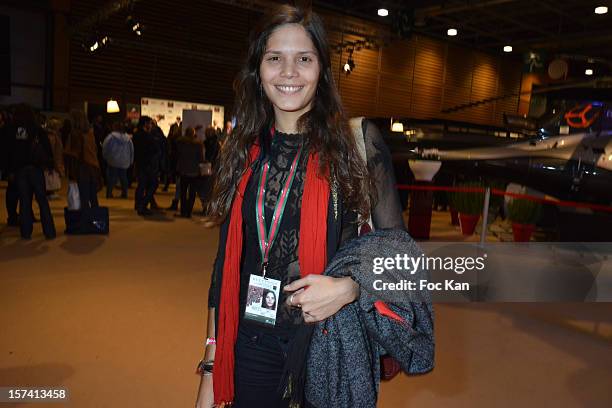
65,131
100,130
211,152
173,135
160,139
12,192
30,155
54,126
176,127
118,151
81,159
3,145
228,128
227,132
130,126
190,155
146,158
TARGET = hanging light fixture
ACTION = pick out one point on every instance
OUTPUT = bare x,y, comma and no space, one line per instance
452,32
383,12
601,10
349,66
112,106
507,48
397,127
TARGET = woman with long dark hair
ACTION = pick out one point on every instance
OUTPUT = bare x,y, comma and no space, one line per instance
290,187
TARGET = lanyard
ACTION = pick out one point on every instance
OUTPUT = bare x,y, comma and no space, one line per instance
266,238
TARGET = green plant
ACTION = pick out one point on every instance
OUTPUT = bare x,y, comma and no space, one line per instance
468,202
524,211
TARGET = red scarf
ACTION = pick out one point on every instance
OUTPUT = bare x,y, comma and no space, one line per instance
312,257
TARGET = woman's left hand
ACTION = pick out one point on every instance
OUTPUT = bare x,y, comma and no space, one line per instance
321,296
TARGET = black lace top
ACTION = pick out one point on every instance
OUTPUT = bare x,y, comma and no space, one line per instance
283,263
283,259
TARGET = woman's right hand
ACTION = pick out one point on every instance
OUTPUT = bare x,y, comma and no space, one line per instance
206,398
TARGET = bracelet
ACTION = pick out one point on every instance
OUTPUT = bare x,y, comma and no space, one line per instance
211,340
205,367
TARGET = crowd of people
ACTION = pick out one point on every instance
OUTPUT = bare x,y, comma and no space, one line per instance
38,154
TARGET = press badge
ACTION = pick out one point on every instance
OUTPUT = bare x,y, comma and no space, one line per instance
262,300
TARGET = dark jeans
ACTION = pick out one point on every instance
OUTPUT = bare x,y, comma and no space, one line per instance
88,190
189,186
12,198
147,184
260,358
31,182
112,174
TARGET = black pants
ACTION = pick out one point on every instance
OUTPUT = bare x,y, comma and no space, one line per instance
112,174
147,184
189,186
260,358
12,198
88,190
31,182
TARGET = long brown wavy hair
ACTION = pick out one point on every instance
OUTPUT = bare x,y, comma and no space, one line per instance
325,125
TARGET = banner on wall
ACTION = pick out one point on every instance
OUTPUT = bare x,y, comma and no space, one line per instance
165,111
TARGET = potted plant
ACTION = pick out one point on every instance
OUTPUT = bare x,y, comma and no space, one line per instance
469,206
523,214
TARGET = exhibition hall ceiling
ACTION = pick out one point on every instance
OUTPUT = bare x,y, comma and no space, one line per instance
553,26
557,26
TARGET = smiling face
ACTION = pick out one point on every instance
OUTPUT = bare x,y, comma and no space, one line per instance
270,300
289,70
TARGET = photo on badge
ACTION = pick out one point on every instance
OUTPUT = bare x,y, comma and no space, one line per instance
262,300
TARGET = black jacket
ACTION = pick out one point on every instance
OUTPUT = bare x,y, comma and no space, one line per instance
29,146
190,155
147,152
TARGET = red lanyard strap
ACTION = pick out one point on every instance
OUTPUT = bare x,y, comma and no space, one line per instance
266,238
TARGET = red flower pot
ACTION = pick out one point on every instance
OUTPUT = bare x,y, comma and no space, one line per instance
468,223
522,232
454,216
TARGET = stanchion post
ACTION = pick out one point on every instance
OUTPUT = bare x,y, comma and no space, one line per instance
485,216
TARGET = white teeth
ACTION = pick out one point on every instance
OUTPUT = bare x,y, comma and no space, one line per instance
288,89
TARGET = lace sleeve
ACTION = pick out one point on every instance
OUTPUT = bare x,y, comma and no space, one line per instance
214,292
388,212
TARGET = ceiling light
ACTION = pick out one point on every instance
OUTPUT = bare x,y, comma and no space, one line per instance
349,66
601,10
588,71
383,12
508,48
452,32
397,127
112,106
135,26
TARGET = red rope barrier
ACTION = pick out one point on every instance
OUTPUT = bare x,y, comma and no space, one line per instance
561,203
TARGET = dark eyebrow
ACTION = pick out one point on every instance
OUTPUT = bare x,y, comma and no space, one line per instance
299,52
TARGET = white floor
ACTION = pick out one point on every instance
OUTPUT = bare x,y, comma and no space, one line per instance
119,321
